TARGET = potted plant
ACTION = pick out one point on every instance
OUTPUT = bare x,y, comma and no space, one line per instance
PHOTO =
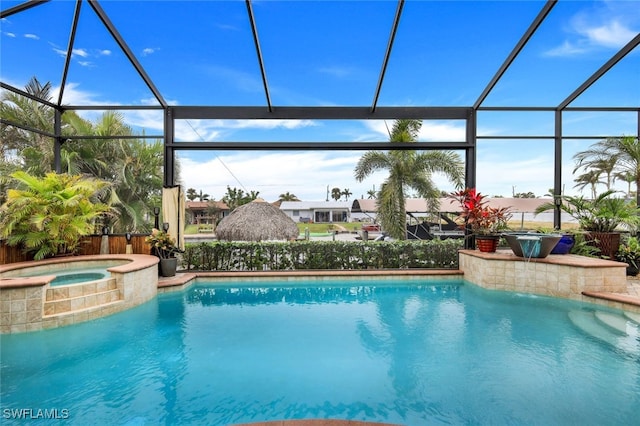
484,222
165,247
601,218
629,253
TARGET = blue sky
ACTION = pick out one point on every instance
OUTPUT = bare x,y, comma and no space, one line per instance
330,54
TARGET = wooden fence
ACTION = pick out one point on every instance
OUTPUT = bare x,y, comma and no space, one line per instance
89,245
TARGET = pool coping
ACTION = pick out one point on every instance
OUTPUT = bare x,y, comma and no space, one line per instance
135,262
631,299
184,279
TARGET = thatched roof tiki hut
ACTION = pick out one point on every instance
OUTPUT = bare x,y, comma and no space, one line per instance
257,221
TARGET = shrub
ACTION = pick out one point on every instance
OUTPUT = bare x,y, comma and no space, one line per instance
319,255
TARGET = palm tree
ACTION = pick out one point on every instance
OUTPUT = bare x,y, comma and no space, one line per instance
134,167
626,152
287,196
591,179
336,193
34,150
407,169
371,194
202,196
191,194
346,193
235,197
603,165
625,176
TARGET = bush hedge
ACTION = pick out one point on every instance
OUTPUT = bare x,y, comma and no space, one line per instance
307,255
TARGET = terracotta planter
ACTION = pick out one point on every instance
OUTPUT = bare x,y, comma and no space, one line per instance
487,243
607,242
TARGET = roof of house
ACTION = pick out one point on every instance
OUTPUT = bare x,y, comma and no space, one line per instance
419,205
196,205
314,205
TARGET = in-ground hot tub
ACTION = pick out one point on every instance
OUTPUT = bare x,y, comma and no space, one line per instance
62,291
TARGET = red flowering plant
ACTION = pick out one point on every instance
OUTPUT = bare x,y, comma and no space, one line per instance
481,218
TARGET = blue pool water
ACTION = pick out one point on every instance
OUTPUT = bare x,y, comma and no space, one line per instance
78,277
414,353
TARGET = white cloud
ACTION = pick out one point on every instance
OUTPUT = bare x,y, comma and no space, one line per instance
85,63
104,52
74,96
8,34
612,34
607,27
305,174
566,49
149,51
80,52
437,131
75,52
32,36
336,71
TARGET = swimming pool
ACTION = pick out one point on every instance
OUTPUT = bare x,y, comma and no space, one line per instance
413,352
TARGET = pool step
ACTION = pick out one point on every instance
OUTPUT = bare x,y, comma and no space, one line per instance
615,330
76,298
64,292
633,316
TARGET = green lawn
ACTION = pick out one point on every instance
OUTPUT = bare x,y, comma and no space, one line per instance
314,228
318,228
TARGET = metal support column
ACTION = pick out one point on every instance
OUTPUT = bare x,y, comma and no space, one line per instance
57,141
169,152
470,152
470,165
557,170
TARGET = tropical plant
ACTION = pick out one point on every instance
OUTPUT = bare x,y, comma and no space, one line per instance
48,216
27,150
134,167
477,215
371,194
336,193
590,178
408,170
604,213
162,244
236,197
624,150
346,194
287,196
629,252
192,194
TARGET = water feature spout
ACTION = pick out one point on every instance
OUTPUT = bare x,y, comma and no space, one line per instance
530,245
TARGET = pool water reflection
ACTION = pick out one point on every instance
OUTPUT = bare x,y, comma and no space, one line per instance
413,352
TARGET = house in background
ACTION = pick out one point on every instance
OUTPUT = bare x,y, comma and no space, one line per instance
317,211
205,212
